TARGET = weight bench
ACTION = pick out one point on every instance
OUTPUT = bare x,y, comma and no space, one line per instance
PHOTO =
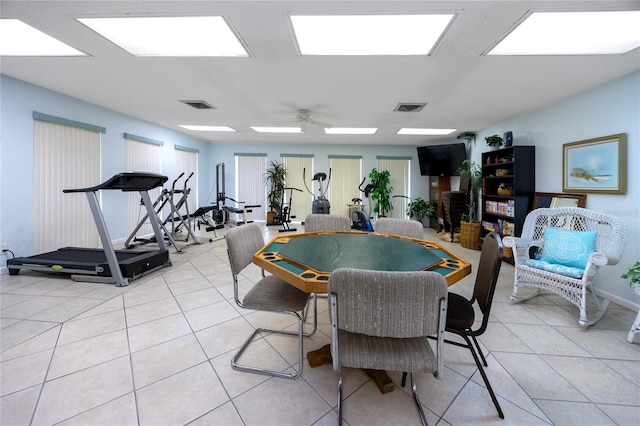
243,210
202,218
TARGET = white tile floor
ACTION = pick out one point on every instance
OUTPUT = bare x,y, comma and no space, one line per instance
158,353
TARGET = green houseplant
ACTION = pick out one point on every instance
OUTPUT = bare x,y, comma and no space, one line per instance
381,195
493,140
274,178
419,209
633,275
470,228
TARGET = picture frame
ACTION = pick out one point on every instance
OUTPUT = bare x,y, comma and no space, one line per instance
556,199
595,165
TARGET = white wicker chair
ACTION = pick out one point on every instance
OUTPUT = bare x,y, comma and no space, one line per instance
610,242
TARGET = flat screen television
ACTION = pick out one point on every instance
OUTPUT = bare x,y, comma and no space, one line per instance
441,160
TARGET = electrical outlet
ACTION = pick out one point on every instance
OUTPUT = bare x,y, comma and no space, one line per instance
3,247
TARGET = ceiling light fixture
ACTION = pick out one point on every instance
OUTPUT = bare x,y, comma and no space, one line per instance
369,34
573,33
199,128
425,132
170,36
351,130
277,129
20,39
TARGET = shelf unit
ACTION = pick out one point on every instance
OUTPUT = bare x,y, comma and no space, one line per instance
514,166
438,185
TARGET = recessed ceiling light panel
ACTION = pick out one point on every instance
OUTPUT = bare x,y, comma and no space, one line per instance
573,33
170,36
369,34
277,129
425,132
351,130
206,128
20,39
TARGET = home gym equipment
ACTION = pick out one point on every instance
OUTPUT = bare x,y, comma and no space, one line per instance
320,205
105,265
285,210
177,219
221,200
359,218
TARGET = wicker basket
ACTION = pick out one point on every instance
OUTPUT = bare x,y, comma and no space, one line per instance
470,233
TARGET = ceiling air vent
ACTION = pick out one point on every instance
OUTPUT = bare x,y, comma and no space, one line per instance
409,107
198,104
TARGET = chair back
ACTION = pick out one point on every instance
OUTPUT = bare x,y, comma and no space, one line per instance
388,304
611,231
402,227
242,243
326,222
487,276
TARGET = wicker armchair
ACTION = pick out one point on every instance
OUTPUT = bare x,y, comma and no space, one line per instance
611,236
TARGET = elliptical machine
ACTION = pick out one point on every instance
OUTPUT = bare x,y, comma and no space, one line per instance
320,205
360,220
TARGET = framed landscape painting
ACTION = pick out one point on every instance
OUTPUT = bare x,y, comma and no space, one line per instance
595,165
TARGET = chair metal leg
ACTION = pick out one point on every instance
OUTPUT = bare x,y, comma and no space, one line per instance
300,333
423,417
339,396
484,361
484,376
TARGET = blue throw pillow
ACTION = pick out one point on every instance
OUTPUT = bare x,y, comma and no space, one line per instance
569,248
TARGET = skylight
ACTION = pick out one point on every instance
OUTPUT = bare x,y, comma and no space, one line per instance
369,34
425,132
573,33
170,36
20,39
206,128
351,130
277,129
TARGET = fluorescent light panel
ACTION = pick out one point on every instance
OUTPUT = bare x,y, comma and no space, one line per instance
169,36
277,129
206,128
573,33
20,39
369,34
425,132
351,130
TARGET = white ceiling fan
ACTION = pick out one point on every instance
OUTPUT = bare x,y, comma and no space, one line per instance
305,118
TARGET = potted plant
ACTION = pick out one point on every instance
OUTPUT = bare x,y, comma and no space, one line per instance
419,209
493,141
274,178
633,275
470,229
381,195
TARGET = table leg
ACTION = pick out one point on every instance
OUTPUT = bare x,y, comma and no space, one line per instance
323,356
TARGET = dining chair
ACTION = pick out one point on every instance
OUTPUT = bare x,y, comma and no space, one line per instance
461,312
380,320
269,294
402,227
326,222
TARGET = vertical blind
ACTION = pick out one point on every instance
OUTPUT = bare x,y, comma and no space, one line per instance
346,175
300,201
187,162
65,157
141,156
249,182
399,171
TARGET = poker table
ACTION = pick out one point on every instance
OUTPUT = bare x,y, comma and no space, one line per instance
306,260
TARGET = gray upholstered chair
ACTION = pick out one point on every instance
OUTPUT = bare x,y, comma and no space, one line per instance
402,227
565,228
380,320
326,222
270,294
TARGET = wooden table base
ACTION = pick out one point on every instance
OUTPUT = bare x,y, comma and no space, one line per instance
323,356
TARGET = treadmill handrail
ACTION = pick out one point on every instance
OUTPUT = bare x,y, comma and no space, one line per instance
127,181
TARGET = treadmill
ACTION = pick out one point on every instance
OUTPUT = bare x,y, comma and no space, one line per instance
105,265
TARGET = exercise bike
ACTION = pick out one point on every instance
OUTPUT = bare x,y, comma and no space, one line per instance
320,205
359,219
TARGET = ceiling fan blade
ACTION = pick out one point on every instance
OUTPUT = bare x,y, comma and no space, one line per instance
321,124
303,126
